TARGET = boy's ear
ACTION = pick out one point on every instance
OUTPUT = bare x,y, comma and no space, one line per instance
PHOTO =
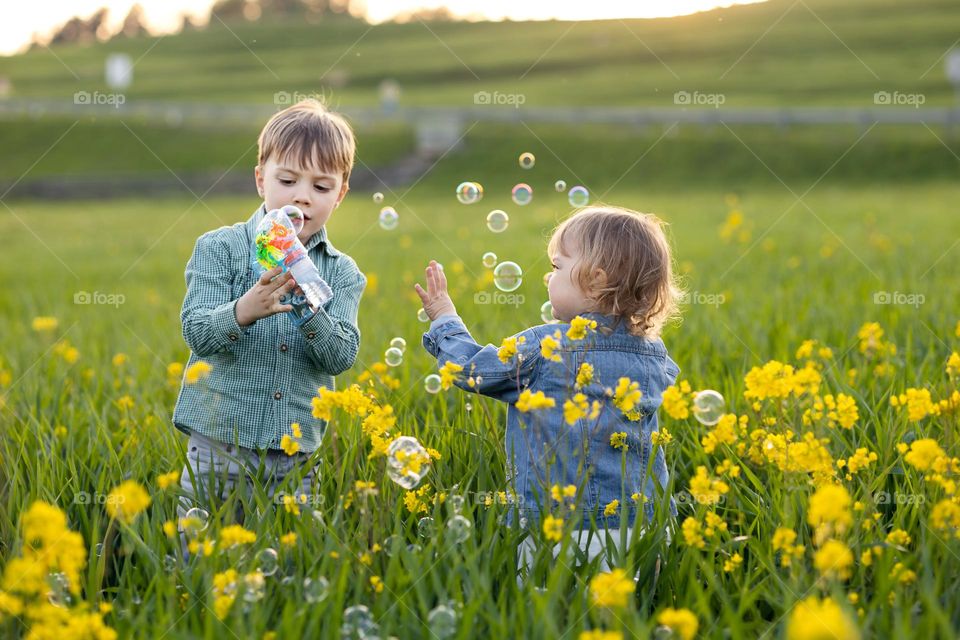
343,192
258,177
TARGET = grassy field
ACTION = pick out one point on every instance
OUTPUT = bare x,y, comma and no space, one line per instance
790,272
759,54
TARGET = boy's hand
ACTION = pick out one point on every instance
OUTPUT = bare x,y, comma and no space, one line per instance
436,300
263,298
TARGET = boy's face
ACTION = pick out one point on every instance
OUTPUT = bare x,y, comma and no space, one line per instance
313,191
566,297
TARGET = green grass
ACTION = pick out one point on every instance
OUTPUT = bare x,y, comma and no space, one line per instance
809,273
773,53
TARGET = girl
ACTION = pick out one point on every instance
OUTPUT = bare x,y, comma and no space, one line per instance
583,394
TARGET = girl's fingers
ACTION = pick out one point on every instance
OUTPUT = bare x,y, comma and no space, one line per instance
421,293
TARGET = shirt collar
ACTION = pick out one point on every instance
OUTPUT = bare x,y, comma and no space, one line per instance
319,238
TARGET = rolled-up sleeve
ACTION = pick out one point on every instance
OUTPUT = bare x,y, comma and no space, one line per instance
332,334
208,317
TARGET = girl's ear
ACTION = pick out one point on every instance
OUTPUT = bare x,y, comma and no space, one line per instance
598,279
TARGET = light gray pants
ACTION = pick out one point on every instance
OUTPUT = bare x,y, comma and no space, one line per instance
215,469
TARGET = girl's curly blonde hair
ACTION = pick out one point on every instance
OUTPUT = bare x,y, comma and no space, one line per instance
639,287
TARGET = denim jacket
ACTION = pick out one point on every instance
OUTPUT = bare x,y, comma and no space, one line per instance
542,448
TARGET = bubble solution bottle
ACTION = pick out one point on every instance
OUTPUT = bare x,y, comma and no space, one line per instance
276,243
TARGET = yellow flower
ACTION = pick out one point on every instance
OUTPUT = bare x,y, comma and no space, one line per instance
44,323
290,503
548,345
376,583
575,408
508,348
829,511
170,528
611,508
833,560
559,494
707,490
289,540
224,592
732,563
579,327
953,365
553,528
533,401
448,374
676,400
815,619
175,369
235,534
289,445
612,590
661,438
861,459
626,395
681,622
618,440
918,402
119,359
599,634
924,454
693,533
127,501
295,429
945,517
168,479
584,375
197,371
783,540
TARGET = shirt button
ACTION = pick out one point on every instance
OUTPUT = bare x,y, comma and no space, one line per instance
283,347
277,395
233,337
311,335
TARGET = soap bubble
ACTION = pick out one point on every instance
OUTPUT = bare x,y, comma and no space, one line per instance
389,218
267,562
393,357
399,343
546,278
422,316
489,259
391,544
527,160
358,623
426,527
295,215
407,462
508,276
442,621
546,312
254,586
59,594
432,383
708,406
522,194
578,196
498,221
455,502
560,186
315,589
378,197
469,192
195,521
459,528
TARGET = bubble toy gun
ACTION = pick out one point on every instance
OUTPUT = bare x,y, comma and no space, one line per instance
276,244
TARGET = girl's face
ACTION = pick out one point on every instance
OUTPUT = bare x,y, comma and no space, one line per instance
566,297
313,191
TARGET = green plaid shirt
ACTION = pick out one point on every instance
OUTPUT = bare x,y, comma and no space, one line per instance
264,375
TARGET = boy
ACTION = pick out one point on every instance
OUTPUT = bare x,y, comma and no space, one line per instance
252,414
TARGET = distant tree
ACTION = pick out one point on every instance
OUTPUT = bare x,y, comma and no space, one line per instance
438,14
133,24
76,30
187,23
228,10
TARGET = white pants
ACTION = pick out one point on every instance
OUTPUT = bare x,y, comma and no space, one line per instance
593,543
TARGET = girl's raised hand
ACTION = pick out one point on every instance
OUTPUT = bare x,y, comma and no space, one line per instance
436,300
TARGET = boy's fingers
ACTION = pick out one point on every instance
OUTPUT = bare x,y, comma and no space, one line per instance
420,292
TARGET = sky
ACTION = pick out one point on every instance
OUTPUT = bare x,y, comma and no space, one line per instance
18,22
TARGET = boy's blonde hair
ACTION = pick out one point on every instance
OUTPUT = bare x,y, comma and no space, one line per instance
309,134
632,250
